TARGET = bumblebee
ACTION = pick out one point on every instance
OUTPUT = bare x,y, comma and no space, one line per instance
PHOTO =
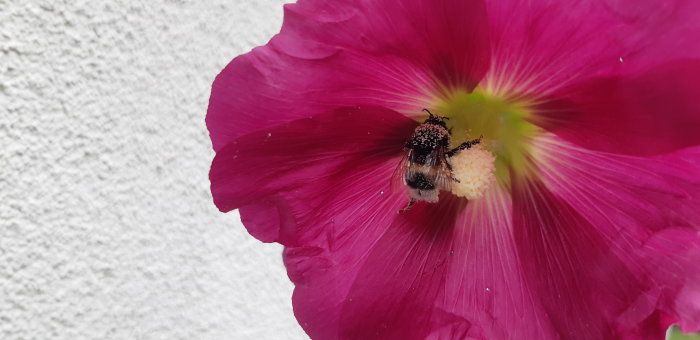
425,166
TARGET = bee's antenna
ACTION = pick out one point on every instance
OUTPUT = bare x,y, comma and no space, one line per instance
432,115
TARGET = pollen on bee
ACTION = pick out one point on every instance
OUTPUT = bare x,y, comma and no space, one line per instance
474,169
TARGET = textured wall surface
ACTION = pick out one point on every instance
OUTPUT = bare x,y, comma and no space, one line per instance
107,230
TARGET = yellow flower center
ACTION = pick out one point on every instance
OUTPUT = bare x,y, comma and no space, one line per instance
503,123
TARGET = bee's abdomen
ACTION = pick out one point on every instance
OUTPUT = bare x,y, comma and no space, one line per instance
420,181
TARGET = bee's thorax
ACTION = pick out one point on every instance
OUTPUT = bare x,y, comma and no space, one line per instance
426,138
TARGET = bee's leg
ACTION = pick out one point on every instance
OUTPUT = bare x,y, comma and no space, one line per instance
465,145
408,206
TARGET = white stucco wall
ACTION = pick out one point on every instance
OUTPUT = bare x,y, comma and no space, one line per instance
107,230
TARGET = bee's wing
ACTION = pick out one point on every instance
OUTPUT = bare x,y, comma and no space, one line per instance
440,169
443,178
398,177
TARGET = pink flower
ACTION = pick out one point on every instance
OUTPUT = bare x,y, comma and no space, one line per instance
591,229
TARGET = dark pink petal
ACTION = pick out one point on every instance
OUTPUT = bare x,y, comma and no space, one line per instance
578,281
442,271
630,229
486,285
256,171
337,231
539,46
390,53
447,38
654,112
386,273
394,293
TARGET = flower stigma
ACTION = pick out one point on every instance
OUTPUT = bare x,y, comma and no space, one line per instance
506,144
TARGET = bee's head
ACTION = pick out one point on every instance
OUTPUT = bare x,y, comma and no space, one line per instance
435,119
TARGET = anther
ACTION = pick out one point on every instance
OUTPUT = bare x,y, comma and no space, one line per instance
473,170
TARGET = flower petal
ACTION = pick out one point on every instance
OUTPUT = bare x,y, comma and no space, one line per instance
581,285
337,231
394,291
485,283
439,271
652,113
640,216
448,38
262,167
538,46
390,53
